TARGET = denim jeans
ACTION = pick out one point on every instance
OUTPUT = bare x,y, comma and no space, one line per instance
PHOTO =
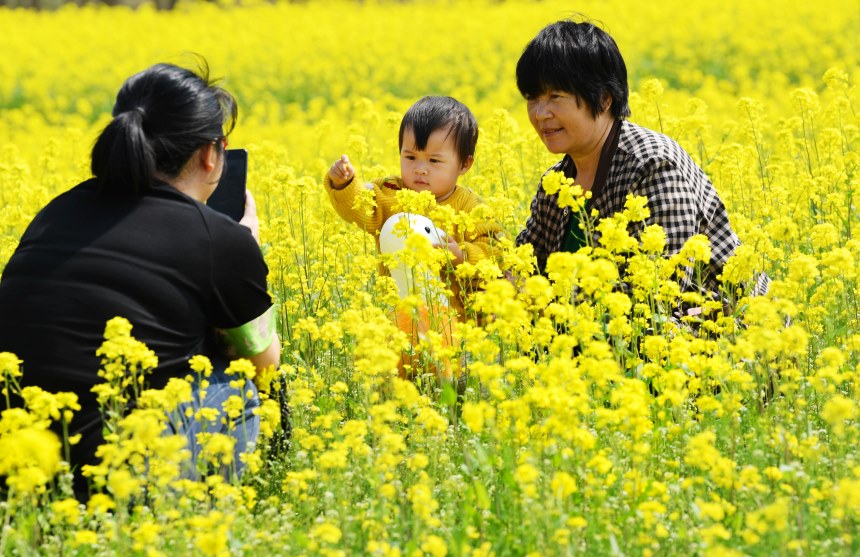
245,428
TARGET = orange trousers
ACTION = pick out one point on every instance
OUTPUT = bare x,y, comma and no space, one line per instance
420,358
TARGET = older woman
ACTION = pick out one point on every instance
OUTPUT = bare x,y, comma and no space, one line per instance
574,80
138,241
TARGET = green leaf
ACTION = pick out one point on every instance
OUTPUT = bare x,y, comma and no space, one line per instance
449,395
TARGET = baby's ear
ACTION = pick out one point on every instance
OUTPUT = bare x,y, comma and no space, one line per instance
467,164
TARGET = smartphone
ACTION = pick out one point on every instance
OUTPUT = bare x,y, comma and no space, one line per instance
229,196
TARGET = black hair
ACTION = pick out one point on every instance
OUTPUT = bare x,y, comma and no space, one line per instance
577,58
433,113
161,117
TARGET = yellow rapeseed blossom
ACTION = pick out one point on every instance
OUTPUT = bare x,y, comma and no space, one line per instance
29,458
589,414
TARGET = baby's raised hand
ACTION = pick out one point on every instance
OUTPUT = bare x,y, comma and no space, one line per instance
341,172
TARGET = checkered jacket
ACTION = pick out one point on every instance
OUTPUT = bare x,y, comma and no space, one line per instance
680,197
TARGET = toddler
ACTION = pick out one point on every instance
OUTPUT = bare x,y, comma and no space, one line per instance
437,145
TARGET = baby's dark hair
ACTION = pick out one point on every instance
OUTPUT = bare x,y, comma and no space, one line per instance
578,58
433,113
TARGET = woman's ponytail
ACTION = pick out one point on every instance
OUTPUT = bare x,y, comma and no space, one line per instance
122,159
161,117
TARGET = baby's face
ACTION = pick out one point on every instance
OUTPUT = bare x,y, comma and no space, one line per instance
436,168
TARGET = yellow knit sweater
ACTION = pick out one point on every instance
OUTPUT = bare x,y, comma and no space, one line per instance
477,243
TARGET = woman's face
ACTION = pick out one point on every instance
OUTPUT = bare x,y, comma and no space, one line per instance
566,125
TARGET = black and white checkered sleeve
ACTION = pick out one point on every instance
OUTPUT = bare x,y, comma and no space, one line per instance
545,225
671,201
719,231
535,230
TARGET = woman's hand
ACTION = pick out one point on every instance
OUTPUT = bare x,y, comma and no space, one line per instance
249,218
341,173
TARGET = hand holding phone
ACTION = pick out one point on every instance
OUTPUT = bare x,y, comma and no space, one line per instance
250,219
229,195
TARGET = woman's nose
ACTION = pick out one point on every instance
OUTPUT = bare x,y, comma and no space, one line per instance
540,110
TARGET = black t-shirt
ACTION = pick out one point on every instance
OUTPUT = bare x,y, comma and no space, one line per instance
173,267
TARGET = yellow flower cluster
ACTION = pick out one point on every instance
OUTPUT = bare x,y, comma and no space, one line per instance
586,415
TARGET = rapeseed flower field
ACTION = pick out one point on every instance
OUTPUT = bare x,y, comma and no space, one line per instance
589,423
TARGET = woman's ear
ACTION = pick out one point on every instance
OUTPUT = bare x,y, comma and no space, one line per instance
209,154
605,102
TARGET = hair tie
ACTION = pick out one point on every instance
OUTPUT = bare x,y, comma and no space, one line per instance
136,110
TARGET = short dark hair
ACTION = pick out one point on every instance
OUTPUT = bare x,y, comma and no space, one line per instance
161,117
433,113
578,58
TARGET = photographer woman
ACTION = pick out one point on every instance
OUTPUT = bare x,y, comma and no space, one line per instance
137,241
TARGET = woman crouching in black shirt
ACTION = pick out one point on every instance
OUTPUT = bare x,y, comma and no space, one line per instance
138,241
